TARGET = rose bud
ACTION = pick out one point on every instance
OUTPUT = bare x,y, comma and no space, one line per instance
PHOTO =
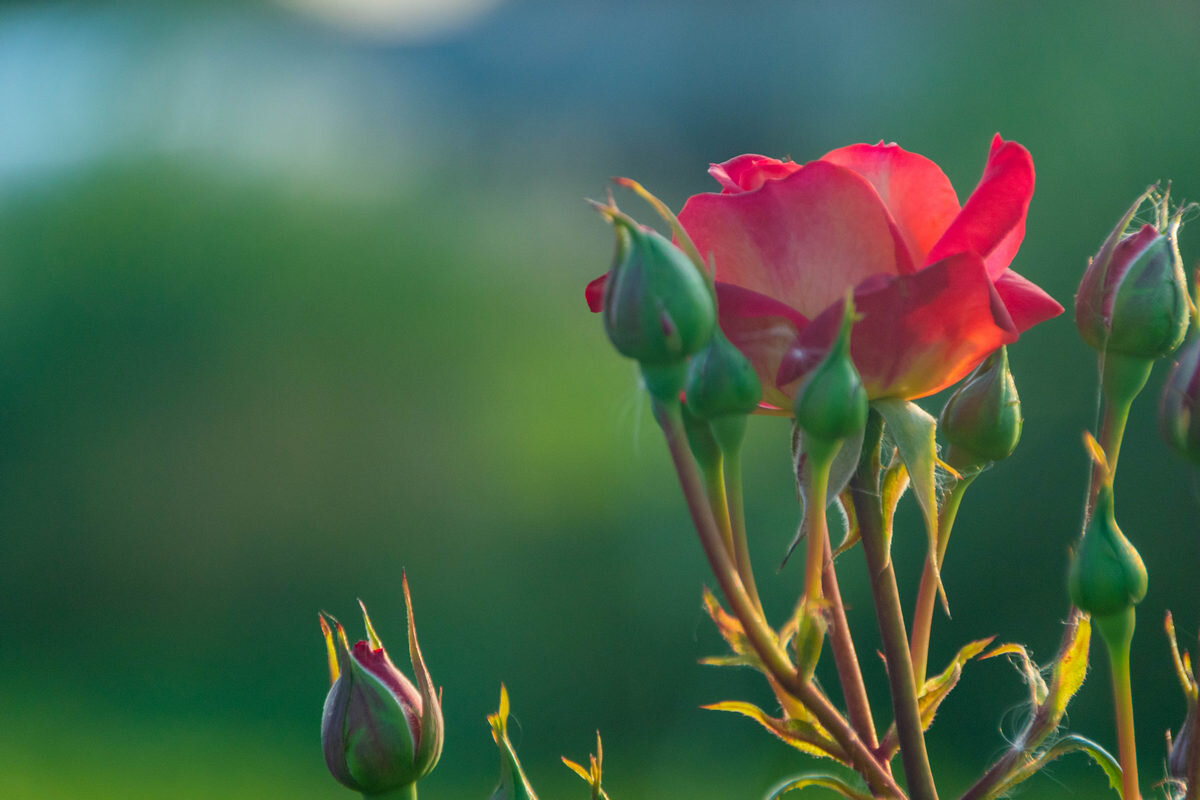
380,733
658,307
981,421
831,403
1133,298
1107,576
721,381
1177,417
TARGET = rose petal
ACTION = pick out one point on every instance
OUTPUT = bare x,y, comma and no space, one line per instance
748,172
763,329
992,221
1026,302
594,294
915,191
802,240
917,333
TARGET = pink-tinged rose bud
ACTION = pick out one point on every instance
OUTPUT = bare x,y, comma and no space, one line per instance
658,310
929,276
379,732
981,422
1133,298
1179,409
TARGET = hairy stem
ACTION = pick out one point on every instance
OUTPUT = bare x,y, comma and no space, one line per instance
1117,632
737,516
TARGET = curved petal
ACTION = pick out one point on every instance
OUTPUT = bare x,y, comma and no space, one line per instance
763,329
803,240
594,294
992,221
917,333
748,172
1026,302
914,189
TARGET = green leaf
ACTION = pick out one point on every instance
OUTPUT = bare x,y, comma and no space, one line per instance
593,774
806,735
1071,743
825,781
913,429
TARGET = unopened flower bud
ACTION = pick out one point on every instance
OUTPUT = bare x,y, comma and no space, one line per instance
981,422
831,403
1107,575
721,381
1133,298
1179,409
658,308
379,732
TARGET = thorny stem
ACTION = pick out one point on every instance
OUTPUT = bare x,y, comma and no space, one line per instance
927,593
864,488
764,640
850,677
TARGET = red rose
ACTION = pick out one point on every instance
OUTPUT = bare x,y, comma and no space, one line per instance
931,280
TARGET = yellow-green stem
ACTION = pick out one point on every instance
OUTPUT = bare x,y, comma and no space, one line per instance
715,488
408,792
1117,632
820,459
762,637
737,517
927,593
1122,378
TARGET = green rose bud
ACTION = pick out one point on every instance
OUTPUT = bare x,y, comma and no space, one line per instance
658,308
1133,297
831,403
1107,575
379,732
721,381
981,422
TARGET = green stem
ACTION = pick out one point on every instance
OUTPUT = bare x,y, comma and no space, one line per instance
1117,632
737,516
820,459
761,636
858,705
715,488
1121,380
927,593
408,792
910,733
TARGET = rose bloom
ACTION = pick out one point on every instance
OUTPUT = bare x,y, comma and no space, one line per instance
932,288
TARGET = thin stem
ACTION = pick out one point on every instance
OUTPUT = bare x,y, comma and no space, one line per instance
858,705
927,593
715,488
1122,378
865,492
762,638
737,516
1117,632
820,459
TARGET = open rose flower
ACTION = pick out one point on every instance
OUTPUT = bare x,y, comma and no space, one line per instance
931,280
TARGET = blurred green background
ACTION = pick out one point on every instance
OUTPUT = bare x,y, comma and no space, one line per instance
291,298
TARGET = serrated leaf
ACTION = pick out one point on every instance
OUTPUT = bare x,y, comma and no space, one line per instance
913,430
731,630
807,736
1071,743
1070,667
834,783
936,689
852,536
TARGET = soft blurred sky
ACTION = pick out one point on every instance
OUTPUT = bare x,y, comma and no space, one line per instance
291,300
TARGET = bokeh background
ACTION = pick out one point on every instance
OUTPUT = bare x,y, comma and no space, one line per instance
291,299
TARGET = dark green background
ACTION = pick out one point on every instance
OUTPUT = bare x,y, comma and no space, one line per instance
284,311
